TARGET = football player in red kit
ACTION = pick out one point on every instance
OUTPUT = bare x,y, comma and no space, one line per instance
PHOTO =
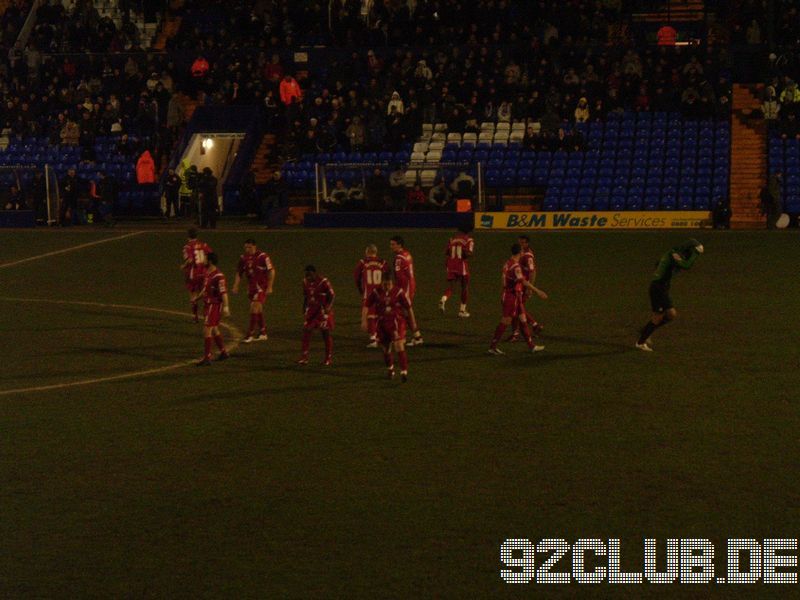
215,300
393,308
514,284
405,279
370,272
195,253
317,312
257,267
527,262
457,254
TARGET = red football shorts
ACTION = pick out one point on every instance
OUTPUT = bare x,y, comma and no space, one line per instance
315,320
213,313
390,331
372,311
257,295
512,304
455,276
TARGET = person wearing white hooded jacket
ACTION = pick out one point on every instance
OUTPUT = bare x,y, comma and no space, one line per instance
397,102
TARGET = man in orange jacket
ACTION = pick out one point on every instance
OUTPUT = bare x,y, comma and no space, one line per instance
290,89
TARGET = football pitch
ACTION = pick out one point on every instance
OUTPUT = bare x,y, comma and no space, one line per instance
127,472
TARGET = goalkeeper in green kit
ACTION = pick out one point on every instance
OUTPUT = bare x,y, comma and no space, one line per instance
680,257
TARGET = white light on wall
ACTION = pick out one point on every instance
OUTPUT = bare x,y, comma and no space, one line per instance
208,144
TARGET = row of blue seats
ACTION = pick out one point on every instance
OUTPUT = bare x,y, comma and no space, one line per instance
620,203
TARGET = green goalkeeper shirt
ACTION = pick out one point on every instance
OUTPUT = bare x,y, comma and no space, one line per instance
669,264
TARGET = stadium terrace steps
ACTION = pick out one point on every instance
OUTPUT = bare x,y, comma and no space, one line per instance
169,27
264,162
748,159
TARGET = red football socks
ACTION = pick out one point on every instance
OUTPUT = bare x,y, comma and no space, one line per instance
372,326
387,358
402,357
194,309
328,344
253,324
208,347
526,333
306,342
261,326
447,293
498,333
219,342
464,293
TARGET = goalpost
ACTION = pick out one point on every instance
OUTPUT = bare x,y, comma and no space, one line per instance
38,187
426,175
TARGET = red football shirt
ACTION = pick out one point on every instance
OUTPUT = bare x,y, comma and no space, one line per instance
215,287
369,274
528,264
459,250
512,277
404,273
195,252
389,306
255,267
319,295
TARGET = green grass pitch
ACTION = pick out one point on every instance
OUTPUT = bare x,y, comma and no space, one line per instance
257,478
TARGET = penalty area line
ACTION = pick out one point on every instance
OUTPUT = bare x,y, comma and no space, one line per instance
232,329
70,249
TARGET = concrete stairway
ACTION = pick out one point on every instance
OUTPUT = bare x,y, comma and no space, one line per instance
265,161
748,159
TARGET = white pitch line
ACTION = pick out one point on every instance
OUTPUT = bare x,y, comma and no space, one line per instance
235,333
70,249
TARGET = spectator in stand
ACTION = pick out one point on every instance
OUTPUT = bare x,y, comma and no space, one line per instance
274,195
463,186
200,67
376,191
356,134
416,198
145,169
790,127
439,196
14,200
770,107
290,91
172,185
395,103
273,71
68,213
790,96
338,198
582,111
504,112
70,133
397,187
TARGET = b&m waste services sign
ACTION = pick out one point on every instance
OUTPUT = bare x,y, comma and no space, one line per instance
591,220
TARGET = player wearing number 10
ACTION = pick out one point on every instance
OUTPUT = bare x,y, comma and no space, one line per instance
194,268
459,250
369,273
